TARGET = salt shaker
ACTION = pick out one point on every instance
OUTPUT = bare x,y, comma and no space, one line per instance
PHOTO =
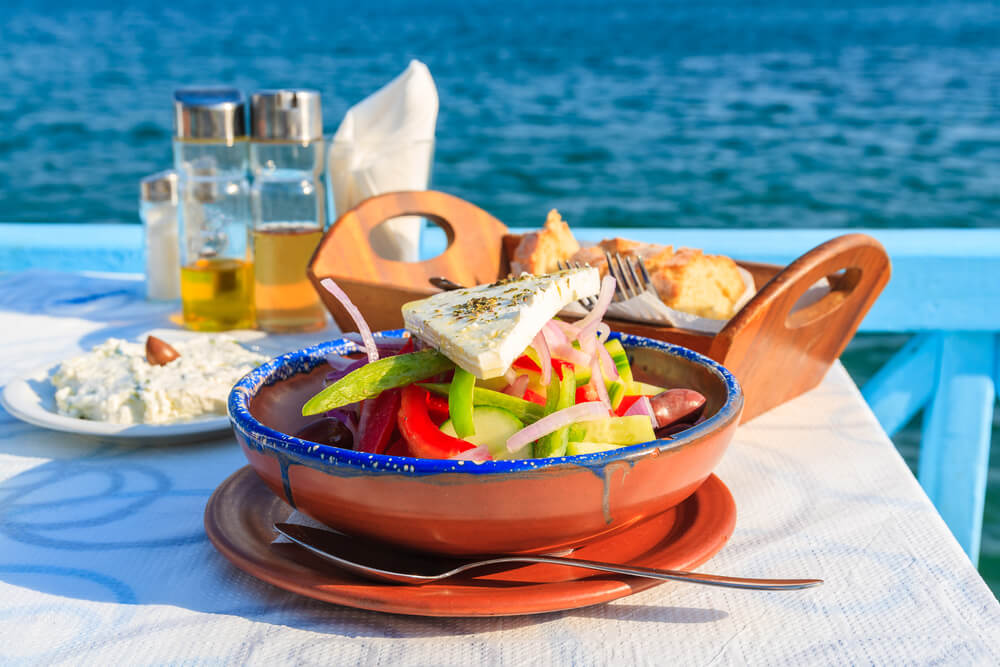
158,210
210,156
288,203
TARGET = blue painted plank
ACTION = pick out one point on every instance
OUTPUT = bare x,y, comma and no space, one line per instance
939,275
905,384
71,247
996,367
954,453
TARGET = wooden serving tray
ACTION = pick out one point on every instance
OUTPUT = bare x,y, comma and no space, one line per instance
775,353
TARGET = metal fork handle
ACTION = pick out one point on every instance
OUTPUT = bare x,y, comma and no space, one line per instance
653,573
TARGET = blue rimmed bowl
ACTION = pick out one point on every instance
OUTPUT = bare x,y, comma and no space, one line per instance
465,508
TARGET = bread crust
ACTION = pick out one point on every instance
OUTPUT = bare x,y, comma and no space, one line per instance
687,279
540,252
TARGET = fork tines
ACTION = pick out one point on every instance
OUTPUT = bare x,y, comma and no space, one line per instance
587,302
629,273
631,277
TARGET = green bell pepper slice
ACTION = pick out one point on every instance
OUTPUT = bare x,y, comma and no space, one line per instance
526,411
460,396
554,444
372,379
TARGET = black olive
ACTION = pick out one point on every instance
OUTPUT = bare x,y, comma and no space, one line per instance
327,432
677,406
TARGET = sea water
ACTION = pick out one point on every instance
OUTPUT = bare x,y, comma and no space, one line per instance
680,114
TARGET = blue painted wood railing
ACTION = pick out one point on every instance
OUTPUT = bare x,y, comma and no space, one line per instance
945,289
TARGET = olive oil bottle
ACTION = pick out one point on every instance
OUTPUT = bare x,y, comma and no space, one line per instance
211,157
288,207
215,294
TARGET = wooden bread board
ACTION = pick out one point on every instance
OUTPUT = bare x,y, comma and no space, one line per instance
775,352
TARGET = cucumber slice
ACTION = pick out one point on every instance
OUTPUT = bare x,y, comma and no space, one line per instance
552,395
460,402
643,389
582,374
618,355
496,384
614,430
493,427
616,392
574,448
526,411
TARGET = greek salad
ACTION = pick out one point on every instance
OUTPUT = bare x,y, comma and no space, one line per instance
464,385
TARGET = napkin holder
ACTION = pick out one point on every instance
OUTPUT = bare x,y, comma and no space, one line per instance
775,350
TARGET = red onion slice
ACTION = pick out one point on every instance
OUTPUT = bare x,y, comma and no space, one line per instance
335,375
642,407
598,381
517,387
569,330
575,413
382,343
571,354
339,363
560,346
544,357
603,331
554,336
476,455
607,363
352,310
596,313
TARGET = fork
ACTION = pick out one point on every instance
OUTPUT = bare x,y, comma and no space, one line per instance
630,274
374,561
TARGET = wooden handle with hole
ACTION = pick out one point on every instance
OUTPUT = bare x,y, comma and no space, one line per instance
380,286
776,351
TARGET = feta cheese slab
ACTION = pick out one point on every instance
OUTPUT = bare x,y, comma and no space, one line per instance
484,329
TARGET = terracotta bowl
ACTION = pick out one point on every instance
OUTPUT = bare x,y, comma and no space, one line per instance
464,508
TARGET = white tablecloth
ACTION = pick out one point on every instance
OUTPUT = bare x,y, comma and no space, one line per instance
104,560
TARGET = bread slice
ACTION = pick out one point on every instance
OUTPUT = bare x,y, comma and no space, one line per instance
540,252
687,280
700,284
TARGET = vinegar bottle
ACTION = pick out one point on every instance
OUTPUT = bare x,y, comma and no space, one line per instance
210,157
286,159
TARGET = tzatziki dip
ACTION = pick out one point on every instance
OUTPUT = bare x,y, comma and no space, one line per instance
115,383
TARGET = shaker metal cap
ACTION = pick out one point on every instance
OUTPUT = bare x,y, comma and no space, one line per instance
286,115
209,113
159,187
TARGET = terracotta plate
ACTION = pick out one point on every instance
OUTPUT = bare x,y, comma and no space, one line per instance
240,515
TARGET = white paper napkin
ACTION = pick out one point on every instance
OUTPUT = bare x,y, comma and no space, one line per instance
648,308
384,144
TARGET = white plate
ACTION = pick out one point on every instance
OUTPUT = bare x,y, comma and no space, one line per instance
32,399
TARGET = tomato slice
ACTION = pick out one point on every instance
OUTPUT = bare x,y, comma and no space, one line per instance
627,402
437,408
423,438
397,448
534,397
559,365
586,393
526,363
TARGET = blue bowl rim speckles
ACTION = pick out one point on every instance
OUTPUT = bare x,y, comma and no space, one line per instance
328,457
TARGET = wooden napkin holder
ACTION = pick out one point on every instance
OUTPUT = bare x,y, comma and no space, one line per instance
775,352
